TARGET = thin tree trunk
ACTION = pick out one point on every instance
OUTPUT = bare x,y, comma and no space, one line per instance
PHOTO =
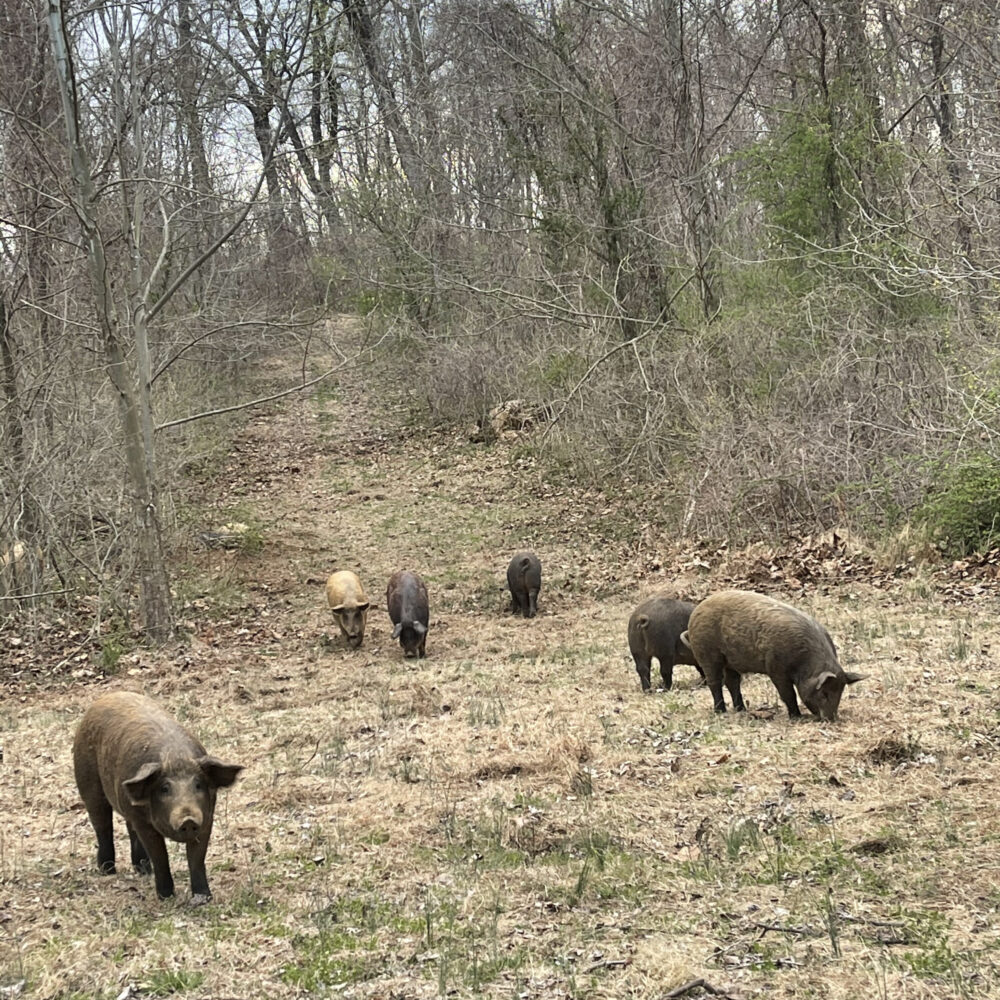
260,113
187,67
27,517
360,22
139,459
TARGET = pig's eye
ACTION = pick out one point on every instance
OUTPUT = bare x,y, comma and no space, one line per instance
198,784
165,788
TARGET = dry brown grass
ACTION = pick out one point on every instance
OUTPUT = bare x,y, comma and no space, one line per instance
511,816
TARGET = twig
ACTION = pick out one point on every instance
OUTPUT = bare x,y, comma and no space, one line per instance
253,402
706,986
608,963
40,593
782,929
870,922
631,342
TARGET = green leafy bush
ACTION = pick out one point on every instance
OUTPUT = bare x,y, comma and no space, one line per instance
962,506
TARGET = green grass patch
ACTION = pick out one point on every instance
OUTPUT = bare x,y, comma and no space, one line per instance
346,948
464,946
167,982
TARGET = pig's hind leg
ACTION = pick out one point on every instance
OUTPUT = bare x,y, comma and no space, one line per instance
101,818
714,671
733,679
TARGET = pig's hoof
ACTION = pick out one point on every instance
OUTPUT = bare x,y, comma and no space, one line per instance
199,899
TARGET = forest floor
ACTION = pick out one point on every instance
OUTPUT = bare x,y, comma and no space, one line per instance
510,816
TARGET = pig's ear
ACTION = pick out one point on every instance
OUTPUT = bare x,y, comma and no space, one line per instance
339,609
139,785
854,678
828,681
397,631
420,628
365,606
219,774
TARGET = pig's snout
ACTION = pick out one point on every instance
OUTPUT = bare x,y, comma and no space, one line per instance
189,827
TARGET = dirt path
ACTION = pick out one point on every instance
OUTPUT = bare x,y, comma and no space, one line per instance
510,816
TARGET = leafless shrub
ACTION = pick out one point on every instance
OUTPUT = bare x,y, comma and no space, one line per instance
821,412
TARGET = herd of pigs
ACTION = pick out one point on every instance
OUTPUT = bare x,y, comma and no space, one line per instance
130,757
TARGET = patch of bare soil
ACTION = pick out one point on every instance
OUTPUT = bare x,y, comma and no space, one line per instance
511,816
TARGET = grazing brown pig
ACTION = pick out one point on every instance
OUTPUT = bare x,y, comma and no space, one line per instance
655,630
524,577
349,605
406,599
130,756
739,632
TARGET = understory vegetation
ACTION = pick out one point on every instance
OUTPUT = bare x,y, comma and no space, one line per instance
742,261
797,411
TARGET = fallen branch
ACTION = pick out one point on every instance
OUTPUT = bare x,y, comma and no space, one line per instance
706,986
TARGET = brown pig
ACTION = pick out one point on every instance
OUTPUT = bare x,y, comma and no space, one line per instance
406,599
524,577
131,757
655,630
349,605
738,632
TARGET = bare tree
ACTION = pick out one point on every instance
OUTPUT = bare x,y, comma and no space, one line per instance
126,351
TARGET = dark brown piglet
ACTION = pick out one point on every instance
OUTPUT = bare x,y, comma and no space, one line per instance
524,577
131,757
654,630
406,599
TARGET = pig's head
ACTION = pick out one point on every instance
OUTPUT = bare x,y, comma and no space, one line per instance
411,637
180,794
822,693
352,619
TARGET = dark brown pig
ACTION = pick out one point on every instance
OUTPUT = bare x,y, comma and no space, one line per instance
349,605
654,630
524,577
406,599
131,757
738,632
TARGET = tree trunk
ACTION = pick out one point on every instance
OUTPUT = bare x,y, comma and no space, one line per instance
360,22
260,113
27,518
187,69
132,399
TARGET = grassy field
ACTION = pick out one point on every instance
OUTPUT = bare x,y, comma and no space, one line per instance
511,817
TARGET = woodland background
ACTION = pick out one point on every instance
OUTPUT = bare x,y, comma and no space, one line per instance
739,259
